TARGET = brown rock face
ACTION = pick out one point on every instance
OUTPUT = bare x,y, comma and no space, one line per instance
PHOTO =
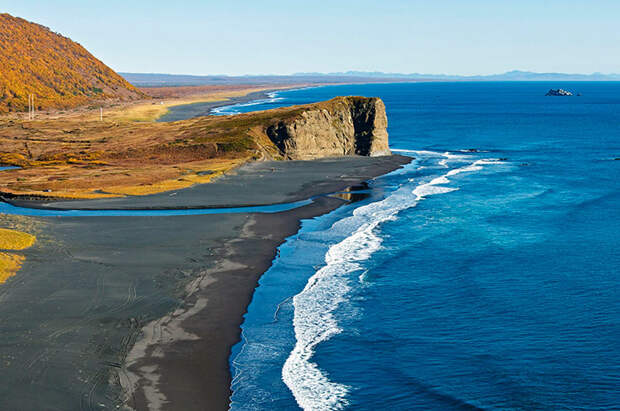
338,127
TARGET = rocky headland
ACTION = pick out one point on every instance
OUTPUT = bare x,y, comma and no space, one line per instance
69,158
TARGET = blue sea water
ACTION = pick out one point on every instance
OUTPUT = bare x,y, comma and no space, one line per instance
486,278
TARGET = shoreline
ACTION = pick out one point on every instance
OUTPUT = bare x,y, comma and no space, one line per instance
160,109
183,358
205,108
189,367
91,287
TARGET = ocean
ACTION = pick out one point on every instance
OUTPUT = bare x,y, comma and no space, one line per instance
485,274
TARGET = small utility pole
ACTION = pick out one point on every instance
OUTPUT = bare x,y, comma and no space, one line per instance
100,113
31,107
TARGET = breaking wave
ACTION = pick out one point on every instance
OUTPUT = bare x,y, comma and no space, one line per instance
235,108
314,319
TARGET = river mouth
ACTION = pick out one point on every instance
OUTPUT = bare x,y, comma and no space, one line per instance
8,208
350,195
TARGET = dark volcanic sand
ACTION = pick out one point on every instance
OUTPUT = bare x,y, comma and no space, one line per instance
257,183
146,309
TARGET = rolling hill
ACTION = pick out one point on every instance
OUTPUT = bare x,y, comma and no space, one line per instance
58,71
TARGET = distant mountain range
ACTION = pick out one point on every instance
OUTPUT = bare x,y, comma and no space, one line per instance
515,75
153,79
171,80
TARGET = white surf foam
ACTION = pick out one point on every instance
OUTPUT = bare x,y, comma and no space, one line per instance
447,156
314,321
451,156
418,152
234,108
402,150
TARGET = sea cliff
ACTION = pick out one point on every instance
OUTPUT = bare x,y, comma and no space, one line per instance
341,126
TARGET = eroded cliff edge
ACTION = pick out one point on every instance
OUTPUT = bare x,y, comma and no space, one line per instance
338,127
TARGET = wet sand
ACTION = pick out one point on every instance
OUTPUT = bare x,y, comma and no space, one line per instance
145,310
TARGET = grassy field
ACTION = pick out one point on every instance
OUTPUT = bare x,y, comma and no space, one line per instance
15,240
94,159
10,263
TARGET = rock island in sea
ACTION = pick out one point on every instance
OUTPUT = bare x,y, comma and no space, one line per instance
558,92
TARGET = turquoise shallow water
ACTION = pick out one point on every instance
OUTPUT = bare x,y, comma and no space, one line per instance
486,274
48,212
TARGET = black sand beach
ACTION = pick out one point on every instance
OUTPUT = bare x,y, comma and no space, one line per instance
253,184
145,310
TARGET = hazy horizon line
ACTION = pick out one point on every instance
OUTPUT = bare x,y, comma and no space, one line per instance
375,73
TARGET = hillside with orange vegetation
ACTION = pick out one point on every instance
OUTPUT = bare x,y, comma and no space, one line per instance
57,71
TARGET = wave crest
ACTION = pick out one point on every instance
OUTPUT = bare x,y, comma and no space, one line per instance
314,320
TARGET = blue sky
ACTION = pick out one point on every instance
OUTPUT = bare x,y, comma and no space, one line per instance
269,36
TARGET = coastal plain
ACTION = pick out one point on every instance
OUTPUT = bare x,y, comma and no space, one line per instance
143,311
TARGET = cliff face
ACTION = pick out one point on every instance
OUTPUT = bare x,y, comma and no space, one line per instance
338,127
